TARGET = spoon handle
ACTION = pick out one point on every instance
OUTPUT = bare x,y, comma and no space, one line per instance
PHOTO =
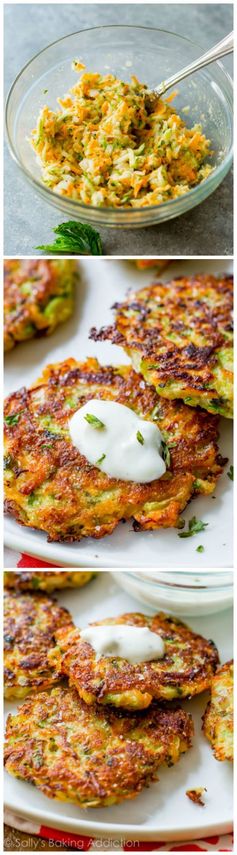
221,49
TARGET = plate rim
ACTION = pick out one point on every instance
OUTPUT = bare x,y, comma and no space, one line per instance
128,831
17,545
17,542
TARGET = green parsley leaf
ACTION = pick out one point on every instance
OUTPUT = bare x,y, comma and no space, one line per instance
194,526
165,453
75,239
93,421
103,456
12,420
180,523
200,549
231,473
156,413
140,438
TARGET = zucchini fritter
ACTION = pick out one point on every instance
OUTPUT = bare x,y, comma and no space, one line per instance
46,580
218,716
179,336
50,486
30,621
185,670
92,756
38,295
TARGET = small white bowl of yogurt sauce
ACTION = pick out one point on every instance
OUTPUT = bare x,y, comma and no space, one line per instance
179,593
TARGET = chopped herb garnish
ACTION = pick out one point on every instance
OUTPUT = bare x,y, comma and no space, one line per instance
140,438
200,549
165,453
156,412
180,523
44,91
12,420
93,421
231,473
75,239
194,526
98,462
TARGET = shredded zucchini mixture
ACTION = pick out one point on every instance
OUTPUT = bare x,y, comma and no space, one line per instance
109,145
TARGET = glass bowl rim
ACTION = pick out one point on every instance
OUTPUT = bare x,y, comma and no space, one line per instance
120,212
201,589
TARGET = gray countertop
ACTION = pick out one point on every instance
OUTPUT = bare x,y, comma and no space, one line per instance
208,229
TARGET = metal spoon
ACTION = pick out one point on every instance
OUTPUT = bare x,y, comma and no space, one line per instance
221,49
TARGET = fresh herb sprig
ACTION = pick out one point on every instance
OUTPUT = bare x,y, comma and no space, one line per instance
75,239
93,421
231,473
98,462
194,527
165,453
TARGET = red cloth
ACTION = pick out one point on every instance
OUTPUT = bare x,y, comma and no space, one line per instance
27,561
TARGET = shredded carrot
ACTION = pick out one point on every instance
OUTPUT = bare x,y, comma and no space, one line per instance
171,97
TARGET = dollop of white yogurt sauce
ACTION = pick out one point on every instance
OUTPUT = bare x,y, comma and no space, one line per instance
134,643
123,445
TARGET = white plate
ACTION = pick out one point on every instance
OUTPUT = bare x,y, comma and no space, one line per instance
163,812
104,281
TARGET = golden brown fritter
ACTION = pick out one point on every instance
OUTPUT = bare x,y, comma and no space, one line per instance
92,756
50,486
185,670
38,295
45,580
218,717
30,621
179,336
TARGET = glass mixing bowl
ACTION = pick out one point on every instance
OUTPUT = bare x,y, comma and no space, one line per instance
179,593
152,55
